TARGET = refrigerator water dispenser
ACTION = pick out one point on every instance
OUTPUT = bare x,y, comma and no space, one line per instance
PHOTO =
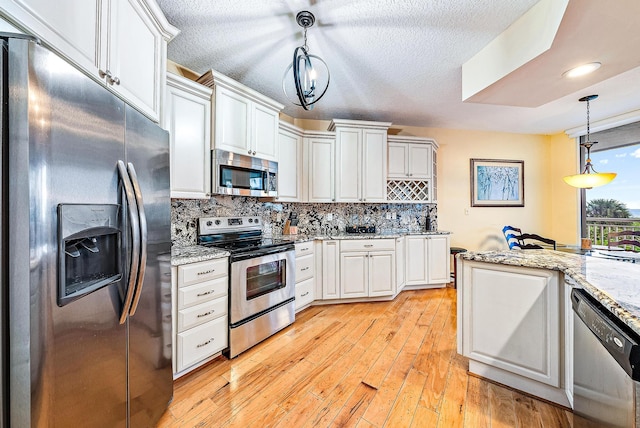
88,249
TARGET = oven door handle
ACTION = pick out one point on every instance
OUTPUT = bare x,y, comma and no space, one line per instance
258,253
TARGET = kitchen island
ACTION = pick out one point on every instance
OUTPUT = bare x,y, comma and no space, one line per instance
515,319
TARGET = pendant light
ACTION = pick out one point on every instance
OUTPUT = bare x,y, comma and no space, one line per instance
589,177
308,73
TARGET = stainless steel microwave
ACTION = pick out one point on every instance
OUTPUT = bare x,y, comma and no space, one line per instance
241,175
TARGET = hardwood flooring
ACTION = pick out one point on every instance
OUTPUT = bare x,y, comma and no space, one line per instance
386,364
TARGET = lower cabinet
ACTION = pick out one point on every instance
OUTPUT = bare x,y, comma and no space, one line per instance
305,274
330,270
367,268
200,322
511,328
427,260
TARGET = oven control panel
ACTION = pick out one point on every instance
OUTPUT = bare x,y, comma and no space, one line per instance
209,225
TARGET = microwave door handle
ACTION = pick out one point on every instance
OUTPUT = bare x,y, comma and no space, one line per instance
132,210
143,238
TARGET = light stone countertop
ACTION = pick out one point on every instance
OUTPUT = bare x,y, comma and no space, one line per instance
195,254
615,284
199,253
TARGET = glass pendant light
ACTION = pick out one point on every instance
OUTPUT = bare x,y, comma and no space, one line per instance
589,177
307,73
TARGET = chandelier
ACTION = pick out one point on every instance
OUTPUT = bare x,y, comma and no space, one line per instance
308,73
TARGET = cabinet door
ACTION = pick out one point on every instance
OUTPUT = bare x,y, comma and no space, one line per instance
321,176
419,161
348,165
354,278
438,266
264,134
374,165
289,167
134,56
72,26
416,260
188,120
511,319
330,268
400,263
382,279
231,122
398,160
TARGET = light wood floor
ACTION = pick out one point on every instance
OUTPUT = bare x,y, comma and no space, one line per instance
390,364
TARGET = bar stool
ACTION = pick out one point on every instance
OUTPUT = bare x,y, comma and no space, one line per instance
454,251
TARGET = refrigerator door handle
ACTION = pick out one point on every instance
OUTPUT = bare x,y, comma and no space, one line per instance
132,210
143,238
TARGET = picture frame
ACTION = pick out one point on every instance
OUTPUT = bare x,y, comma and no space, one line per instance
497,183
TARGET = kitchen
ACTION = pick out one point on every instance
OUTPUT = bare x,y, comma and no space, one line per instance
544,153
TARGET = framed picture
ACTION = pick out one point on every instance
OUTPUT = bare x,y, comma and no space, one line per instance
497,183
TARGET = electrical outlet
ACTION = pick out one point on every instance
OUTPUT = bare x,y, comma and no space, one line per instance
279,217
393,216
329,217
388,216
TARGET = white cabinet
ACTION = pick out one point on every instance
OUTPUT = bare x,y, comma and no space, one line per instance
330,270
120,42
305,275
290,162
427,260
319,159
410,157
245,121
400,263
187,117
200,320
438,260
510,327
367,268
361,160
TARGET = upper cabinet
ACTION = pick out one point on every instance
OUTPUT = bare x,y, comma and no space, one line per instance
187,117
319,159
412,169
290,162
122,43
361,160
245,121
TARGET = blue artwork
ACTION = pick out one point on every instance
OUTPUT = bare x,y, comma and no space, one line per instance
498,183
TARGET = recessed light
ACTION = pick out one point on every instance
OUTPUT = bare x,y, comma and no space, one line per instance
581,70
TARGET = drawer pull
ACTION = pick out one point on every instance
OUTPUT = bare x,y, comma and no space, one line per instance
304,249
205,314
304,294
206,293
205,343
368,246
304,268
206,272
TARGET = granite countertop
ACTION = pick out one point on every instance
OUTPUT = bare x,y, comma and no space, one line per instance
613,283
194,254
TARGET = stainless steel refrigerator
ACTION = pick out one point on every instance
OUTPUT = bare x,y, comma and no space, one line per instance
86,305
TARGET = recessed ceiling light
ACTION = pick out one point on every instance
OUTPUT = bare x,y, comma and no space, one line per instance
581,70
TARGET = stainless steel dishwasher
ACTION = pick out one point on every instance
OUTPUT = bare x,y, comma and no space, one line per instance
606,364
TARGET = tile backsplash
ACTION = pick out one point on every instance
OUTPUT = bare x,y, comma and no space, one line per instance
312,216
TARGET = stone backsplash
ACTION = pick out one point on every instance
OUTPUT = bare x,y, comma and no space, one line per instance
312,216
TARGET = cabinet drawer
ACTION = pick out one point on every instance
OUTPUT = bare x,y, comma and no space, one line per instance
368,245
200,342
304,293
203,271
202,292
201,313
304,248
304,268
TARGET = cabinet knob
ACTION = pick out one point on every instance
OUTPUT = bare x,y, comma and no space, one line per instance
254,152
115,81
249,152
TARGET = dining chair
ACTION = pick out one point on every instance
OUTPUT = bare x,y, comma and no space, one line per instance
625,239
518,240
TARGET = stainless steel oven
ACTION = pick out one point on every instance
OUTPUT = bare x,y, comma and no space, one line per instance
240,175
261,279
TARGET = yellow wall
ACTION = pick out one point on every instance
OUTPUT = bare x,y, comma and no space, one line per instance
551,206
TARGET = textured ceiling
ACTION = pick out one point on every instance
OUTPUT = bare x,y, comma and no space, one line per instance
390,60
